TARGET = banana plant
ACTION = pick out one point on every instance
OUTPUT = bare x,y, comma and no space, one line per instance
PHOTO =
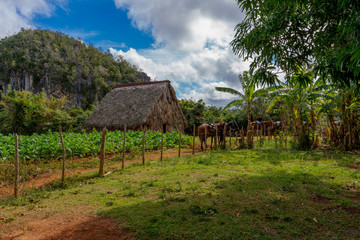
250,93
302,101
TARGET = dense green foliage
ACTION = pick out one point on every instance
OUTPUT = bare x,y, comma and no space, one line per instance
316,113
52,58
312,33
27,113
47,146
316,44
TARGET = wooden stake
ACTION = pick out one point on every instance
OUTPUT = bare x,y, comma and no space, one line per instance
179,142
162,144
236,138
16,165
123,156
224,133
64,158
102,152
230,137
216,135
193,150
242,133
205,138
143,146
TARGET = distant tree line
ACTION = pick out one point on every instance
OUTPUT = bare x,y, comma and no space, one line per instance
26,113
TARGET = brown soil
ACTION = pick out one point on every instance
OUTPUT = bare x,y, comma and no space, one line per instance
319,199
69,227
50,176
355,166
352,210
355,198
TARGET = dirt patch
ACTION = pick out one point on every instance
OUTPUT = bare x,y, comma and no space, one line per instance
354,198
354,189
319,199
355,166
70,227
352,210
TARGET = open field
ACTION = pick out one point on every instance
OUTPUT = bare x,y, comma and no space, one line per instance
247,194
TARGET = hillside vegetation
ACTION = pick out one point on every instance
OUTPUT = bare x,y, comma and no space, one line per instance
41,59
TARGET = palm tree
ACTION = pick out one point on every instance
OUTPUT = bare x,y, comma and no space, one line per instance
250,94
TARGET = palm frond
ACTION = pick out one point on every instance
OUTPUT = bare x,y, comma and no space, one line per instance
234,103
273,102
229,90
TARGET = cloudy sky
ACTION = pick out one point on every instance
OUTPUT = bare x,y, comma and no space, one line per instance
186,42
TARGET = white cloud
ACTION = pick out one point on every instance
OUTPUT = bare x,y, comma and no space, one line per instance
200,71
192,45
17,14
186,24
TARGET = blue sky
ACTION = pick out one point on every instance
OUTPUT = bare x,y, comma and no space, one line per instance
186,42
97,22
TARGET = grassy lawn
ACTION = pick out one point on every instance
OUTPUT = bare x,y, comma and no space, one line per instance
246,194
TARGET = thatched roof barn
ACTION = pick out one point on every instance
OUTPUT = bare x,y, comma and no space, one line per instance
150,104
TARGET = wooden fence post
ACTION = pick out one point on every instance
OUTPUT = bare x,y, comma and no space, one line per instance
102,152
162,144
193,150
216,135
205,138
230,137
236,138
224,135
64,158
16,165
143,146
242,135
123,153
179,142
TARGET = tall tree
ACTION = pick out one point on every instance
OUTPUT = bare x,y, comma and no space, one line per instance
286,34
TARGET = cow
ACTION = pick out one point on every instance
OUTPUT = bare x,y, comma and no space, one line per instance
206,130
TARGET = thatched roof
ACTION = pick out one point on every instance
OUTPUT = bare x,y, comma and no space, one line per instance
137,104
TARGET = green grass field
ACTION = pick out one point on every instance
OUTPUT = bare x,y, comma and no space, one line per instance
247,194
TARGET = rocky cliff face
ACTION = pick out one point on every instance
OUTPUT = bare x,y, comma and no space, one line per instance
39,60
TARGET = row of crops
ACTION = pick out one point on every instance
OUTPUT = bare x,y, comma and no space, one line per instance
48,146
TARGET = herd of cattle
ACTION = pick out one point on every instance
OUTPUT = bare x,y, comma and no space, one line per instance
218,131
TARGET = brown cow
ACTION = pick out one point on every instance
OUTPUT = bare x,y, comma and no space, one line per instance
210,132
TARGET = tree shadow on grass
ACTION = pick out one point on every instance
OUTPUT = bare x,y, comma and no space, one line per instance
279,156
278,205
